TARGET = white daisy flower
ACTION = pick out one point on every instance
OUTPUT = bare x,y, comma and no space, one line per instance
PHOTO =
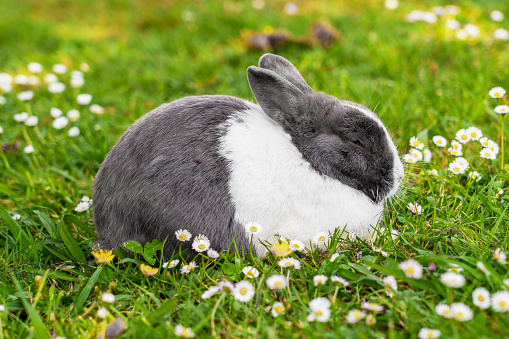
456,145
320,238
408,158
474,132
297,245
225,286
433,172
320,308
50,78
454,280
277,282
76,74
371,306
34,67
474,175
319,280
426,155
82,206
212,254
185,269
352,236
481,298
21,79
354,316
501,34
2,308
184,332
493,146
472,30
416,154
59,69
60,122
497,92
455,268
28,149
277,309
253,228
171,264
496,15
200,245
243,291
444,311
391,285
334,257
426,333
73,114
438,10
461,312
391,4
291,8
251,272
340,280
500,301
452,24
96,109
415,208
77,82
25,96
290,262
73,132
499,255
483,269
462,136
416,143
411,268
108,298
16,217
183,235
55,112
33,80
210,292
455,152
201,237
102,313
21,117
502,109
370,320
487,153
84,99
457,167
56,87
32,121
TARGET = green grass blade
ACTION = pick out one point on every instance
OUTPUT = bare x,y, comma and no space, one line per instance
85,292
70,242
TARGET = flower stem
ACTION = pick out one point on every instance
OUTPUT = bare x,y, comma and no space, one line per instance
502,143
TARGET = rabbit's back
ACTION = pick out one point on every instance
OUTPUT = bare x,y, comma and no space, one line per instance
165,173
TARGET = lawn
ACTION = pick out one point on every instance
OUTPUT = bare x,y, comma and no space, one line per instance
424,78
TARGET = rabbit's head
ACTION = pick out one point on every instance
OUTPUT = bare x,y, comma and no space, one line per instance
340,139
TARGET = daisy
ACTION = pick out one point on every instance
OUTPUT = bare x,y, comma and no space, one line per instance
102,313
25,96
243,291
354,316
21,79
499,255
461,312
77,82
277,309
28,149
370,320
277,282
83,99
487,153
484,141
60,122
474,132
56,87
211,292
352,236
371,306
103,257
481,298
171,264
185,269
320,238
462,136
32,121
34,67
416,154
457,167
253,228
481,266
50,78
73,114
73,131
96,109
82,206
200,245
281,249
500,301
501,109
225,286
411,268
55,112
433,172
319,280
472,30
21,117
455,268
415,208
2,308
297,245
444,311
391,4
184,332
251,272
16,217
497,92
108,298
455,152
456,145
426,333
320,308
414,142
183,235
408,158
33,80
474,175
454,280
501,34
340,280
148,271
426,155
334,257
212,254
497,15
59,68
391,285
290,262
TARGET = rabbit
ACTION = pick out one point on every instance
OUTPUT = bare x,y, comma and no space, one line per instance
299,163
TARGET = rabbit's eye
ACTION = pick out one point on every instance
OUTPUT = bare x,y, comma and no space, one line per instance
357,142
309,133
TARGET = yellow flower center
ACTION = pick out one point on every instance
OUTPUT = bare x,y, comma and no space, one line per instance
253,229
182,236
480,298
185,333
485,144
410,270
278,284
288,264
497,256
279,309
447,312
249,273
460,315
439,142
502,304
201,246
430,335
464,137
456,169
189,267
486,154
454,270
473,134
321,238
410,160
456,146
243,291
318,313
497,94
416,143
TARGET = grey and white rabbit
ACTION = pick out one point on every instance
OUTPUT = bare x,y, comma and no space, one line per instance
300,163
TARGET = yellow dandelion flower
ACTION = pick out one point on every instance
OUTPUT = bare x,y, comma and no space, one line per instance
148,271
103,257
281,249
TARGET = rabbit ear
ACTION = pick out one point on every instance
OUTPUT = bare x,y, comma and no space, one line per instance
285,69
278,98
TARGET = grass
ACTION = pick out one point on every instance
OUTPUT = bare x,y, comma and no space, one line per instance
421,80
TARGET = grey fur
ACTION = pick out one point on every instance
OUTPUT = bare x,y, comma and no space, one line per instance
165,174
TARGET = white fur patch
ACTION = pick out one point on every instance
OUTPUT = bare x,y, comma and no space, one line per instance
271,184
